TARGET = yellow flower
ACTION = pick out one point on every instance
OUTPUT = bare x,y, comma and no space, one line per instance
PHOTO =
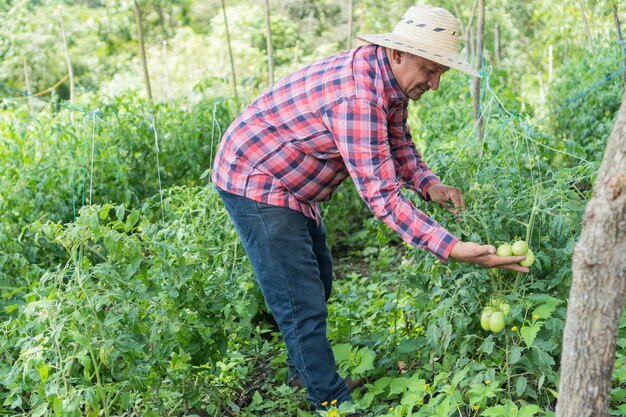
333,414
333,402
325,403
391,408
476,407
426,386
487,381
438,299
514,328
535,316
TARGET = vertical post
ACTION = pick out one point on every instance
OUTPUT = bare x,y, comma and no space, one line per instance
479,63
542,96
27,82
166,65
142,50
268,39
350,22
618,29
496,44
230,50
68,61
550,65
589,37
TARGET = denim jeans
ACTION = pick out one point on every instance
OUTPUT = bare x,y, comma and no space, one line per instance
293,267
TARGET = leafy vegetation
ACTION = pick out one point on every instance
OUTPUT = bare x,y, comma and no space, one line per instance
125,291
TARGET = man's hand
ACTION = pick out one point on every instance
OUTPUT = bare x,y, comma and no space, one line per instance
448,197
485,255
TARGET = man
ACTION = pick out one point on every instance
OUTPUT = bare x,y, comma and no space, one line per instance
345,115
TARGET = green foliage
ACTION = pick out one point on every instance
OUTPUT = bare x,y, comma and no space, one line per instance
583,127
52,169
140,311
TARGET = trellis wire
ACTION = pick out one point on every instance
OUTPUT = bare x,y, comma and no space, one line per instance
485,71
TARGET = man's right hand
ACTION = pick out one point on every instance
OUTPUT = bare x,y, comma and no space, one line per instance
485,255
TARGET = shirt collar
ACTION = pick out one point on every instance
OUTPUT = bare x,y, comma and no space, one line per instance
392,88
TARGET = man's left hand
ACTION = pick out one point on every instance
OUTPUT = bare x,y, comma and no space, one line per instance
448,197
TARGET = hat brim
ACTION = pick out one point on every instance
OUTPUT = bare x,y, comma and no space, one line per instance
393,41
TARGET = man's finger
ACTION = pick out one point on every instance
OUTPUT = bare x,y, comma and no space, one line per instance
504,260
488,249
515,267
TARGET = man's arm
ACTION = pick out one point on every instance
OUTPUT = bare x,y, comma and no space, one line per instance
359,128
411,169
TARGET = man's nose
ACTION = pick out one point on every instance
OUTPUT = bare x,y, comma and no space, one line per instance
434,82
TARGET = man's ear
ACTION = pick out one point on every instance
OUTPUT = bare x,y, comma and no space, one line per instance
395,56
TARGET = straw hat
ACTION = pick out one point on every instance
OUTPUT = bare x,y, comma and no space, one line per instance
427,31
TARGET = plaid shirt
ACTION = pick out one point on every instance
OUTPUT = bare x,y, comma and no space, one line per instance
344,115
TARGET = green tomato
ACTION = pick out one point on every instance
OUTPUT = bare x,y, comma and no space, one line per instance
520,248
505,308
484,318
530,259
496,322
504,250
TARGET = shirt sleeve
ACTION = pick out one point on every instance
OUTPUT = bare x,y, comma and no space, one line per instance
410,167
359,128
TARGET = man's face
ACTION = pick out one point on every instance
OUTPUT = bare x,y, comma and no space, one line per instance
415,74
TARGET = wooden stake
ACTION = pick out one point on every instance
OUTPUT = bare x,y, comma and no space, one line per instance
496,44
27,82
479,58
618,29
589,37
230,51
550,66
68,61
268,38
142,50
350,22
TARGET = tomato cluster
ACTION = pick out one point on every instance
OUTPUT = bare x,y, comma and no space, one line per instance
518,248
492,317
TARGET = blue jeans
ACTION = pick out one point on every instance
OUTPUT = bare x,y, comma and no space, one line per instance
293,268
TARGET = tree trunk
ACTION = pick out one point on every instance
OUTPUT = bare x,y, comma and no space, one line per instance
230,50
598,291
268,39
142,50
480,37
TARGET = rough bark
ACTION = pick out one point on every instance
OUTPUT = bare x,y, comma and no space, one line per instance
598,291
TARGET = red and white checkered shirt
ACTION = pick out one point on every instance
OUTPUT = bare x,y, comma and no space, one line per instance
343,115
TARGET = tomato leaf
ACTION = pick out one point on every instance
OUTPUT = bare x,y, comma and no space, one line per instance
529,333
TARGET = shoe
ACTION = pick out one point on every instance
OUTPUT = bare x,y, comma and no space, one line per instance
352,384
295,383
